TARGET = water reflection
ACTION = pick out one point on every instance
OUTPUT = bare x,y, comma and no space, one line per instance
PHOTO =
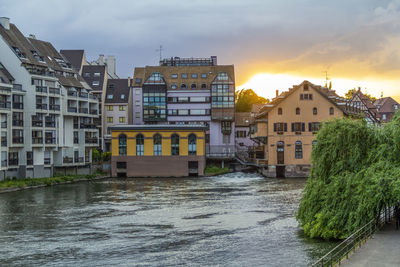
231,220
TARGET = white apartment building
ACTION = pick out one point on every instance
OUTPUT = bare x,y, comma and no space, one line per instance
46,107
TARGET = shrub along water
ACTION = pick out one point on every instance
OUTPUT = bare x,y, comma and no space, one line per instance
355,173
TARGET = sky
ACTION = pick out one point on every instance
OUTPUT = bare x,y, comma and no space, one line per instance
273,44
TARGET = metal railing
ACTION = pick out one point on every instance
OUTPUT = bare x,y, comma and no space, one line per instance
359,237
55,91
41,89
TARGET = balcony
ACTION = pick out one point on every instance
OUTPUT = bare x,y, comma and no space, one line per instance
91,140
92,97
13,162
4,141
41,106
41,89
37,140
84,110
83,95
29,162
54,107
18,123
18,140
47,161
50,140
93,111
88,125
5,104
97,122
68,160
54,91
76,140
17,87
72,109
221,151
72,93
36,122
50,123
18,105
4,124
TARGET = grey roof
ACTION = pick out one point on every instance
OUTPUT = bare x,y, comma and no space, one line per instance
158,127
91,69
75,57
117,88
5,76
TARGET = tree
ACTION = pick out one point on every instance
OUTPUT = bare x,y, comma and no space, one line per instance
245,98
350,93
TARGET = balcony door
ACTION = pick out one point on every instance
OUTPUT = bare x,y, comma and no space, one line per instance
280,152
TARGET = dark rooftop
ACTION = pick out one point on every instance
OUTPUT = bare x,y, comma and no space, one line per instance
119,89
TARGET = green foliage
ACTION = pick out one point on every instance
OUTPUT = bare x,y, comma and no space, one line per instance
106,156
246,98
96,155
355,173
350,93
214,170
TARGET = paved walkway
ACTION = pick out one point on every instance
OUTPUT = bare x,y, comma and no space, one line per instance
382,250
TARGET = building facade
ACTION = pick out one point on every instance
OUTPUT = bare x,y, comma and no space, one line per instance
386,108
116,107
366,106
189,91
157,150
287,127
47,109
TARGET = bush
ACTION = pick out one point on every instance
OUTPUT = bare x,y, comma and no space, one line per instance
96,155
106,156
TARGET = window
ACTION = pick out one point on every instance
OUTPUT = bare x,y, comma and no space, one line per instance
138,80
121,119
194,75
331,111
110,96
298,127
173,86
29,158
139,145
122,145
157,145
226,139
396,107
175,145
222,76
203,86
279,111
297,111
298,154
121,164
13,158
110,108
384,117
306,97
315,111
137,115
280,127
192,144
204,75
122,96
193,86
86,74
305,87
122,108
174,76
96,74
96,83
241,134
226,127
137,91
314,126
183,86
184,75
137,103
110,119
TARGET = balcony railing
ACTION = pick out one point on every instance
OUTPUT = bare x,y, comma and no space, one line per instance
222,151
93,111
17,87
29,162
6,104
3,124
92,97
37,140
72,93
18,123
4,163
41,89
54,107
83,95
79,160
37,122
41,106
18,140
83,110
47,161
88,126
55,91
13,162
51,124
91,140
18,105
50,140
72,109
68,160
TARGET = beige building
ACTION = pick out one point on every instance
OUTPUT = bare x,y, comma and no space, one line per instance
287,127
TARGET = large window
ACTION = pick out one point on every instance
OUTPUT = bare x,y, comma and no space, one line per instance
175,145
139,145
314,126
157,145
298,150
122,147
280,127
298,127
331,111
192,144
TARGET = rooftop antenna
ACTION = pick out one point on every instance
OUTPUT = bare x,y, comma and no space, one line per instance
326,78
160,49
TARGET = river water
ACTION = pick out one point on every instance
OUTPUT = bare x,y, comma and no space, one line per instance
235,219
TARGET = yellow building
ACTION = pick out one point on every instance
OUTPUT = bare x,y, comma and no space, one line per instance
287,126
157,150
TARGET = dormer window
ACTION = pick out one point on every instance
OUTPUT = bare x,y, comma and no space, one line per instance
19,53
110,96
222,76
96,83
122,96
396,107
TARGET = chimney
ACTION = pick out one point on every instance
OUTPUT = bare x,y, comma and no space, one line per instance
277,93
5,22
110,61
101,59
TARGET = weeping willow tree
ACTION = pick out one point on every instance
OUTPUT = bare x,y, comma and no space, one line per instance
355,173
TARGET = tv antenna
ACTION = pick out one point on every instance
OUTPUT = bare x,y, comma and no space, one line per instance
160,49
326,78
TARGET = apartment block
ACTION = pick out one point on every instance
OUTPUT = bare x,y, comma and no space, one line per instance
47,109
189,91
